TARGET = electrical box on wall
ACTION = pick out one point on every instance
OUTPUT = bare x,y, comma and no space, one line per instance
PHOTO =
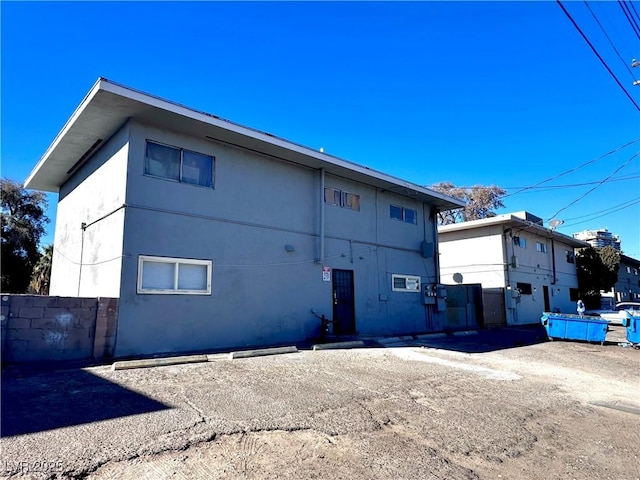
429,293
434,294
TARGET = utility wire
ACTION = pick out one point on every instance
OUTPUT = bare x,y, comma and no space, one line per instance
597,54
575,168
606,211
592,189
630,19
571,185
602,215
626,64
630,4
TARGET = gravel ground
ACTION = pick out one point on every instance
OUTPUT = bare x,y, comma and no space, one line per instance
550,410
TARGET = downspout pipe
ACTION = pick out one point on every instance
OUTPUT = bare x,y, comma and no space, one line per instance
553,261
321,255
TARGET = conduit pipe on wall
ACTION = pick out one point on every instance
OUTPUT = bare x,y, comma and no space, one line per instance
321,255
83,227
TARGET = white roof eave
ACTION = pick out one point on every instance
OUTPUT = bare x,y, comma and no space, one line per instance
109,105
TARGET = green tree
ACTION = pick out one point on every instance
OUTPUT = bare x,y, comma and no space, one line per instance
597,270
482,201
23,220
41,275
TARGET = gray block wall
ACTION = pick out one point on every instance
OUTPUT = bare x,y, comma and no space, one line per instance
40,328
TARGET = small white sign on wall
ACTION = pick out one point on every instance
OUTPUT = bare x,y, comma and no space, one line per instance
326,274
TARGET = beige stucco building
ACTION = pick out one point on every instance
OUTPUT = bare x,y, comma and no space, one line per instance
523,267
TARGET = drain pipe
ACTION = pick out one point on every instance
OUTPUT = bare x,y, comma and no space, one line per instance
553,260
321,256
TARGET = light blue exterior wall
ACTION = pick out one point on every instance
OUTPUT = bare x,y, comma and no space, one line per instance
88,262
261,293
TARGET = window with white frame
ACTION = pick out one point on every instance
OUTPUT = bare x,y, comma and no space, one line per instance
405,283
520,241
403,214
178,164
340,198
165,275
541,247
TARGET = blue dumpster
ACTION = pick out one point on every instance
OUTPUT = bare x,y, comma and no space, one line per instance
567,326
632,322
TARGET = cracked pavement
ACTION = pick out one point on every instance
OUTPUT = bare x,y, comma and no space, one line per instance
549,410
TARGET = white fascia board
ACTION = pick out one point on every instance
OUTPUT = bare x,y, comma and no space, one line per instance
512,220
78,111
270,139
139,98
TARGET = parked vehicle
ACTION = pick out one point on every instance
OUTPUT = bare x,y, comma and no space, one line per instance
618,313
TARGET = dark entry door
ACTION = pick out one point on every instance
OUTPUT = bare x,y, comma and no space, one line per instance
545,292
344,316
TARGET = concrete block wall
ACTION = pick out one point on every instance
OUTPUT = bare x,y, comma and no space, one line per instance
40,328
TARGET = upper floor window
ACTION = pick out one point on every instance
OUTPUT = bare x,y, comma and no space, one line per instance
339,198
520,242
541,247
179,165
571,258
403,214
635,271
628,269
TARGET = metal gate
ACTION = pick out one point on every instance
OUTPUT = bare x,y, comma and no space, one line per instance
493,307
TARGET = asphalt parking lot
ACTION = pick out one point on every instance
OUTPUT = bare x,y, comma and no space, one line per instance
487,406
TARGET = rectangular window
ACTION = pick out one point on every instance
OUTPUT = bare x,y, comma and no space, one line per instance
635,271
520,242
405,283
174,275
332,196
352,201
524,288
571,258
403,214
336,197
179,165
628,269
541,247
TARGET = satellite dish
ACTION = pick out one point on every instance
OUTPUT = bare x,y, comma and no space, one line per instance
555,223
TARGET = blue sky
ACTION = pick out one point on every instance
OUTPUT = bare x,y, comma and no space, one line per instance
504,93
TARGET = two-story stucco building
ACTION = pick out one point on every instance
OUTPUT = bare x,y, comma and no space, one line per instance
528,268
216,235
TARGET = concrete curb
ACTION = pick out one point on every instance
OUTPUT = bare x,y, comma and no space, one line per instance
387,340
330,346
158,362
431,336
262,352
465,332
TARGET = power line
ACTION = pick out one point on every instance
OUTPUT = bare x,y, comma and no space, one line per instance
630,19
572,185
575,168
606,211
630,4
597,54
592,189
626,64
590,219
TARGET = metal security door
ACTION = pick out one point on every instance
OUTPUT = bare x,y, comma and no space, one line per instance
344,317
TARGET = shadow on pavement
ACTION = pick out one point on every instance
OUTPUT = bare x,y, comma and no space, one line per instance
490,340
38,401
